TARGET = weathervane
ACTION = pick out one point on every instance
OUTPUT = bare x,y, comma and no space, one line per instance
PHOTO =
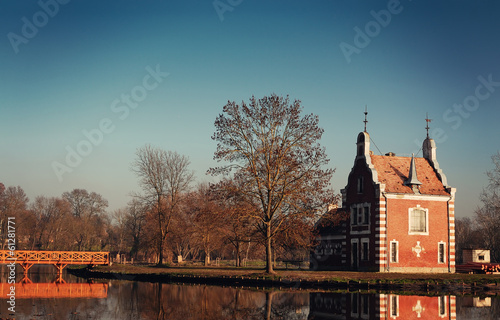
366,113
428,121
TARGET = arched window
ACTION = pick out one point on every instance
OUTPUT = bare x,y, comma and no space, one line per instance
418,221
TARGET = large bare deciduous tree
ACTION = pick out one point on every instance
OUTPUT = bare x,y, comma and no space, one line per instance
164,177
278,160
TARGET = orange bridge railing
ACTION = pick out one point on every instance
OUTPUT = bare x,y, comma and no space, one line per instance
59,259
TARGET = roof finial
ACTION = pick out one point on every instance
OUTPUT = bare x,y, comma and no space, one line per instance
428,121
366,113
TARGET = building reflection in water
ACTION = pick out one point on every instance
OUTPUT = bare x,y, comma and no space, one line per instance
381,306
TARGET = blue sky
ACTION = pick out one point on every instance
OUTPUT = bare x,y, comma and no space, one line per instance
63,67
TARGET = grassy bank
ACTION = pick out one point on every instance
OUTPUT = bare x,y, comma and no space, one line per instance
303,279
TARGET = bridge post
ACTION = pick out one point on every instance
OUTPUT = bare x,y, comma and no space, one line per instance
26,267
59,267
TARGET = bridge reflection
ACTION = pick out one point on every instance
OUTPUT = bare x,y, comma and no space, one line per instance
56,290
26,289
381,306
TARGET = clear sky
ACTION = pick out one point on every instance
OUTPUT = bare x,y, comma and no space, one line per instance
85,83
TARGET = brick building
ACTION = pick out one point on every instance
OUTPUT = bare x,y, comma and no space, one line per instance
397,215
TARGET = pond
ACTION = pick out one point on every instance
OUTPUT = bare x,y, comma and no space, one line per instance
39,297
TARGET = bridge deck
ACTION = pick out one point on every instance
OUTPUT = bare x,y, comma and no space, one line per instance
58,259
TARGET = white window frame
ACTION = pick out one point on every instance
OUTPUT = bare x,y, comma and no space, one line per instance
426,211
364,303
442,243
397,251
363,241
354,215
355,299
355,242
393,308
442,302
358,214
366,209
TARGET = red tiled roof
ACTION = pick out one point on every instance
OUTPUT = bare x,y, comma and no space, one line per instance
393,171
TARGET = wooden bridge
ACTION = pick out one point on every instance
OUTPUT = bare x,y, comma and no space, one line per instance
56,290
59,259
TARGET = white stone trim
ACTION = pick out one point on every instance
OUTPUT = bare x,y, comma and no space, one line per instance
360,232
410,196
393,309
367,241
397,251
444,252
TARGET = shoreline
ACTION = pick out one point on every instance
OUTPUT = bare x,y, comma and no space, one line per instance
420,284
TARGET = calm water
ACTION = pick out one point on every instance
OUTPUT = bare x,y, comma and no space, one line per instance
118,299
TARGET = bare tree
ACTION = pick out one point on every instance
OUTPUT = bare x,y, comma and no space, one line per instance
207,220
278,160
164,176
13,204
180,239
488,215
52,224
468,236
238,227
119,218
84,203
89,210
134,224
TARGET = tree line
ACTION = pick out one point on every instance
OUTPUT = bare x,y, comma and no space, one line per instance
202,224
272,187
